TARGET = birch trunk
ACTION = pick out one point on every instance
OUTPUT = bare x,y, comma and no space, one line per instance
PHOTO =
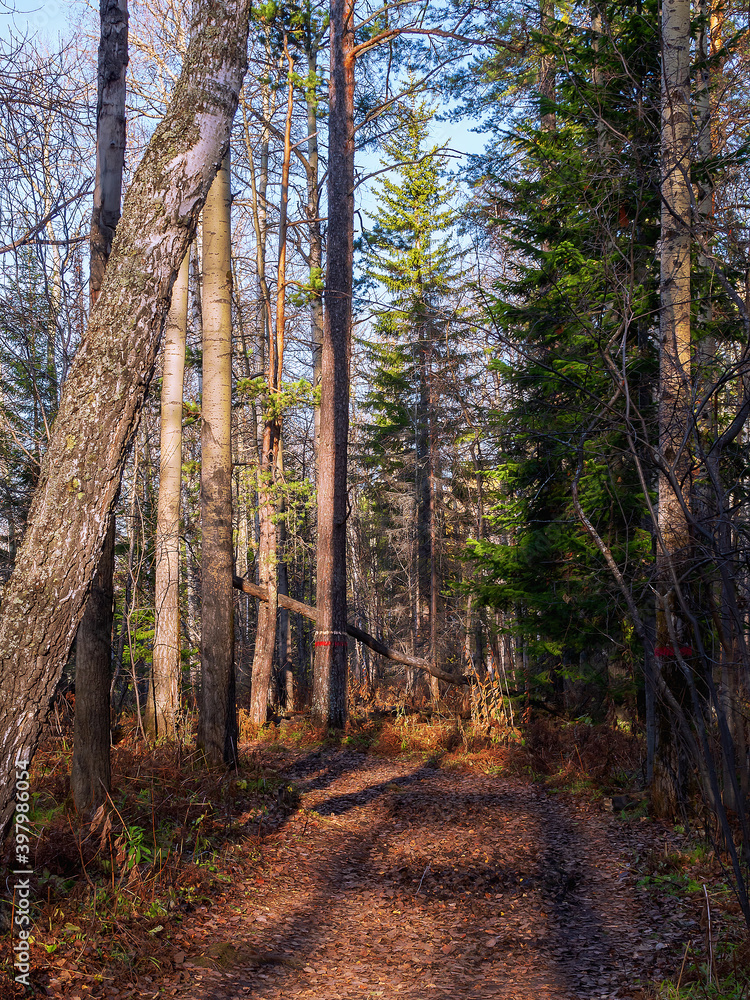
164,700
103,396
329,680
217,723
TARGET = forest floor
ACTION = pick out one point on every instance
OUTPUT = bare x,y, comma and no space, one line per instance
412,875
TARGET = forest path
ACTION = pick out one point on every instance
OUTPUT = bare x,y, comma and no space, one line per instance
399,879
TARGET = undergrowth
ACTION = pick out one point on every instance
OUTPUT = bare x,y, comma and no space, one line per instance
171,837
109,894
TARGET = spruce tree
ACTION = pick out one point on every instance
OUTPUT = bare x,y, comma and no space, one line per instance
409,255
578,207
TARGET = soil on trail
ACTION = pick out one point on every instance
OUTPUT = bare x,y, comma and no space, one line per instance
401,879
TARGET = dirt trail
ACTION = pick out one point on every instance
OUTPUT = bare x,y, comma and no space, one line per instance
423,883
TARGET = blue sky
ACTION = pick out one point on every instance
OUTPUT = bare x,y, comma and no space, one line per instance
54,20
47,20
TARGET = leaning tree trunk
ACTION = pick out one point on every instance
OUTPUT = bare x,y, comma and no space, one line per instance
329,680
164,696
217,723
43,601
90,776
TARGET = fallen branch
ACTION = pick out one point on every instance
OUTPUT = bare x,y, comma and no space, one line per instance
356,633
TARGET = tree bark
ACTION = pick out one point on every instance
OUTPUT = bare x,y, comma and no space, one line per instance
90,767
673,535
90,775
329,680
110,136
265,642
164,699
217,722
547,70
43,601
312,44
674,357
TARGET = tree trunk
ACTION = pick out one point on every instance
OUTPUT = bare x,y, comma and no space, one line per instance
547,70
90,770
284,641
265,642
103,396
434,458
110,136
90,777
164,700
315,234
217,722
674,358
329,681
674,381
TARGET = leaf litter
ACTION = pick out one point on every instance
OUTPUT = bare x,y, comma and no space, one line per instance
399,878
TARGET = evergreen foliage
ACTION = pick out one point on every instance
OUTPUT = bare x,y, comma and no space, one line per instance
579,208
409,254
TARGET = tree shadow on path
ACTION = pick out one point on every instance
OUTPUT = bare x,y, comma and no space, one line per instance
422,883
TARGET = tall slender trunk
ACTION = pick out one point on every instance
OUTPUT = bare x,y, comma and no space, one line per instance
193,591
547,69
673,534
284,641
426,565
90,777
434,458
674,356
164,700
329,681
265,642
217,723
314,230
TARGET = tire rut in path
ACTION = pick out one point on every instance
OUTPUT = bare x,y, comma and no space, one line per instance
422,883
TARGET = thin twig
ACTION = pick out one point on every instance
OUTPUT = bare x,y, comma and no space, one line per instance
422,880
682,968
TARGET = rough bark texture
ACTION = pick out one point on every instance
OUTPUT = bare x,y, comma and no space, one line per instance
90,766
43,601
356,633
329,681
90,770
217,724
110,136
164,698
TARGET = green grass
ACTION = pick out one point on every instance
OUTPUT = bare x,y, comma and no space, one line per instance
731,987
